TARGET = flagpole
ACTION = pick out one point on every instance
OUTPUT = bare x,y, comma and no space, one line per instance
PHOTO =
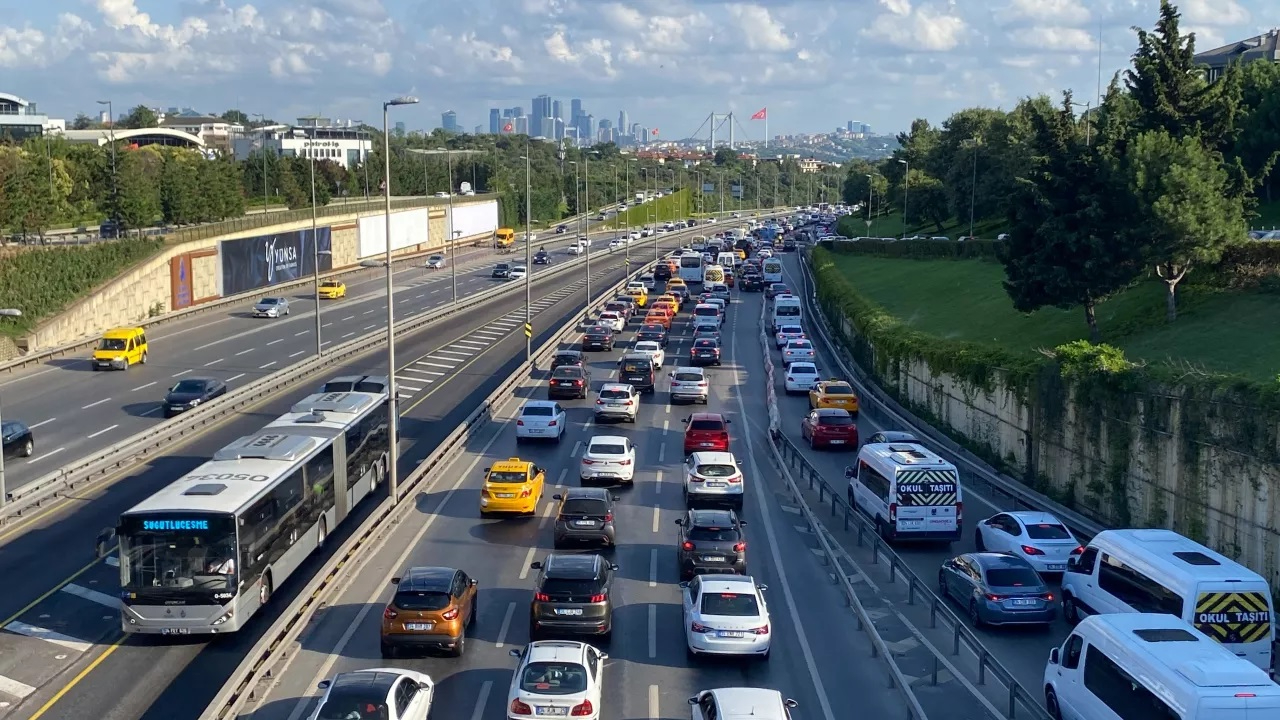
766,128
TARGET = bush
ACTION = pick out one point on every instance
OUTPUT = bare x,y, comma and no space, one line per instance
43,282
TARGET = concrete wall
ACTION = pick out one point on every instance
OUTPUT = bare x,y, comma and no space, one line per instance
147,289
1138,468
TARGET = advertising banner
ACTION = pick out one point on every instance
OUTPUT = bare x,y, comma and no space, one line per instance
266,260
180,282
736,191
408,228
708,187
475,219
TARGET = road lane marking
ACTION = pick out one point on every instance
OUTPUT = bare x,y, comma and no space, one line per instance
140,387
453,352
94,404
102,431
653,567
326,325
654,696
344,337
370,327
662,453
214,362
39,633
297,334
273,342
153,410
528,560
576,447
13,688
101,598
439,365
421,372
506,625
471,342
235,377
366,312
546,515
482,699
245,352
264,367
297,353
657,482
653,630
560,479
657,512
81,676
666,426
46,422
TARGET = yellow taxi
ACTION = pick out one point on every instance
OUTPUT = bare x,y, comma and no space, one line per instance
675,284
333,289
671,298
666,305
119,348
512,486
638,292
834,394
659,316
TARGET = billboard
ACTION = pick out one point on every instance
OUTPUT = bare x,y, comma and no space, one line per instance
408,228
181,296
266,260
708,187
475,219
736,190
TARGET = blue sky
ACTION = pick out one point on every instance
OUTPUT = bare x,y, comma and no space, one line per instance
669,63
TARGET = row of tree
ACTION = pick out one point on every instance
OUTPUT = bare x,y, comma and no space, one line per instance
1159,178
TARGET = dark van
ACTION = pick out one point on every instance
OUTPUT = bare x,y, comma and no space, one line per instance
638,371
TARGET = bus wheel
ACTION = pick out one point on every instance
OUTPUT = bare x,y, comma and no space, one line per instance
322,533
264,590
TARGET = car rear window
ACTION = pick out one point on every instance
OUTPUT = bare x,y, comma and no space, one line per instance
540,411
1047,531
421,600
584,506
607,449
713,534
554,678
706,311
636,366
839,389
688,377
835,420
567,373
799,344
716,470
705,343
570,586
706,425
1012,577
614,394
508,477
730,604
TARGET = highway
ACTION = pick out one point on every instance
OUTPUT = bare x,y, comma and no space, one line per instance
75,411
61,653
818,656
1022,651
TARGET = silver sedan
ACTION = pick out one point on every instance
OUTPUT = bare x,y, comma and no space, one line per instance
271,307
435,262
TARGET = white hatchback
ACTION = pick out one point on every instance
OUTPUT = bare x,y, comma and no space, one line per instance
541,419
726,615
617,401
651,348
787,333
612,320
610,458
801,377
1037,537
689,384
713,478
518,273
556,678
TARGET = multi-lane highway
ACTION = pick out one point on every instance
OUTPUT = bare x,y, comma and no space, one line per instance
61,655
818,657
75,411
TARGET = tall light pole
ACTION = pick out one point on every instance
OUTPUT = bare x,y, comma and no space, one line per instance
1088,126
870,189
452,238
906,191
393,405
315,241
115,190
973,185
4,493
528,259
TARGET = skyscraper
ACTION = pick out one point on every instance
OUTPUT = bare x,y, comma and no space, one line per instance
575,111
541,109
495,121
623,122
449,122
521,125
557,109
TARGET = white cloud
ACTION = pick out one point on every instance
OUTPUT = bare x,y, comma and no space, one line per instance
759,29
1065,12
921,30
1218,13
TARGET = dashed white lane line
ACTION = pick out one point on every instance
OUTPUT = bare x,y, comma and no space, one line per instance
46,422
297,334
657,514
140,387
235,377
39,633
102,431
349,317
344,337
264,367
245,352
214,362
273,342
297,353
653,568
94,404
101,598
506,625
528,559
654,696
370,327
51,453
13,688
482,699
367,312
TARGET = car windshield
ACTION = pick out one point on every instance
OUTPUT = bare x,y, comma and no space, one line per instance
688,376
835,420
607,449
615,394
567,373
553,678
111,344
839,389
706,425
736,604
436,258
189,386
1047,531
10,427
584,506
508,476
538,411
421,600
1012,577
354,703
269,301
717,470
713,534
706,311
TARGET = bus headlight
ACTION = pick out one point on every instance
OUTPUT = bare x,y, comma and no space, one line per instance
225,617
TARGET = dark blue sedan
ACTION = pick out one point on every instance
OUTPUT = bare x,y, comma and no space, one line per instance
997,589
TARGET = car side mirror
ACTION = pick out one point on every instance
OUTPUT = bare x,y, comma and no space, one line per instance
537,565
684,583
615,498
728,422
848,472
514,652
1054,656
323,684
473,582
486,470
557,496
743,523
680,521
762,588
613,566
395,581
791,703
171,389
693,700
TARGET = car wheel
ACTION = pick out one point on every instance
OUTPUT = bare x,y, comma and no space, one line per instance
977,541
1051,703
975,617
27,449
460,648
1070,610
942,585
144,357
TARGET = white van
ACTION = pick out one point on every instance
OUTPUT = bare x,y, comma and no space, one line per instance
1160,571
909,492
712,274
707,315
728,259
699,243
1140,666
786,311
771,268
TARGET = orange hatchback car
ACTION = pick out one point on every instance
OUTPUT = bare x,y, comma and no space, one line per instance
433,609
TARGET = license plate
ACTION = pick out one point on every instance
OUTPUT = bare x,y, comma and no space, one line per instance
1023,602
175,407
419,626
837,442
1057,567
176,631
712,558
706,444
730,634
505,495
584,523
716,485
558,711
568,611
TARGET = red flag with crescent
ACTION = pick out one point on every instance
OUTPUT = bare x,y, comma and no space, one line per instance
507,128
763,114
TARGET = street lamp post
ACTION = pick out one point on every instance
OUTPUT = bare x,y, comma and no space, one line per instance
4,493
528,259
315,244
906,193
452,235
115,197
870,189
393,404
973,186
1088,126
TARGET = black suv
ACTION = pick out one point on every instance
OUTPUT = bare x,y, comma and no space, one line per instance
542,257
573,595
705,351
501,270
637,370
569,381
711,541
597,338
751,282
567,357
585,516
662,271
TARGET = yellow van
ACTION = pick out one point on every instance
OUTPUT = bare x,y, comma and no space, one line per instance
637,291
119,348
504,239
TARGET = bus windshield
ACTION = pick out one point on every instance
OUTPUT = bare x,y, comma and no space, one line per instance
691,261
168,556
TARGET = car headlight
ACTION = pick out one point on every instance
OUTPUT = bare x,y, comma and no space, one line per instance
119,358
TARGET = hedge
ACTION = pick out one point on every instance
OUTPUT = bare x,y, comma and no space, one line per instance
41,282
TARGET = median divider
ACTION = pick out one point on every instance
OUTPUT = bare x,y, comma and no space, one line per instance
51,488
280,639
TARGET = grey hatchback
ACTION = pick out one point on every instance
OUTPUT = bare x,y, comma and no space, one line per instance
585,516
997,589
574,595
711,541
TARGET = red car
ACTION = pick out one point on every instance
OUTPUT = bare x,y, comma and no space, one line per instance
706,432
829,427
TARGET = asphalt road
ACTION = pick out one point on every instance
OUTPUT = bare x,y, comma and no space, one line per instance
75,411
819,658
61,654
1022,651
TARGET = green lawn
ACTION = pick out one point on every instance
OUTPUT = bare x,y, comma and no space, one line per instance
666,208
964,300
890,225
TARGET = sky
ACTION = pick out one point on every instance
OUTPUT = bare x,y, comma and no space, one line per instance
669,63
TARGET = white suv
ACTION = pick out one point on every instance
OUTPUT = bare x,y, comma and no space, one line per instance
578,672
713,478
689,384
618,401
610,458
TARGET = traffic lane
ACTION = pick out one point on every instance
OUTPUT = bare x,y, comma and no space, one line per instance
116,405
172,679
1022,651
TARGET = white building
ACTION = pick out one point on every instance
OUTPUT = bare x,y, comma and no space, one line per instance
342,143
215,132
20,119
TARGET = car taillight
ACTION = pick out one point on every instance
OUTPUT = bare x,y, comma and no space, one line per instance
450,614
740,547
735,479
597,598
625,462
629,403
583,709
762,630
389,613
698,628
686,545
526,492
588,461
599,402
520,708
608,517
541,597
1028,549
551,424
1079,549
520,422
893,512
694,478
1047,596
994,598
484,492
959,513
577,383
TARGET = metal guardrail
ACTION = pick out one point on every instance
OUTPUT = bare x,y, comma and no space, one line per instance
55,486
865,622
279,639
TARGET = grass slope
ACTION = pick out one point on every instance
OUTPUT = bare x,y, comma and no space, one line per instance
890,225
964,300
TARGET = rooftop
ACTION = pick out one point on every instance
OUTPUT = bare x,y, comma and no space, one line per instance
1259,47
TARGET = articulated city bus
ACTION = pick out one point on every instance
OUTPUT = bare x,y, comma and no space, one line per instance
204,553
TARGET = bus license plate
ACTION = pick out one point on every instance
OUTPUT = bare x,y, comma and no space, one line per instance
175,631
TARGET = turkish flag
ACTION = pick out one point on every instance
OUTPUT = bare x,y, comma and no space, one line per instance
655,131
507,128
761,115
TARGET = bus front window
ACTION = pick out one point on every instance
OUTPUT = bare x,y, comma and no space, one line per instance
166,557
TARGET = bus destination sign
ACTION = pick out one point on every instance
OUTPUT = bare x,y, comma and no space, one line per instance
175,524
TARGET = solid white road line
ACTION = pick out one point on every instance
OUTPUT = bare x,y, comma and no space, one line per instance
528,559
482,699
506,625
101,598
39,633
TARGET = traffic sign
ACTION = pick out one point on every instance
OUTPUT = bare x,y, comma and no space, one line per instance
528,330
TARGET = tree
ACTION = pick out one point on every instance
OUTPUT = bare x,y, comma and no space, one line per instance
1063,249
140,117
81,122
726,157
1258,142
1186,213
181,199
928,199
138,196
28,196
235,116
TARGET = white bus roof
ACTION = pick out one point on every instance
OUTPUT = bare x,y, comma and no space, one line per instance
238,473
905,456
1166,554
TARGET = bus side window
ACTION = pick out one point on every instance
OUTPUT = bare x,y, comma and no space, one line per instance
873,480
